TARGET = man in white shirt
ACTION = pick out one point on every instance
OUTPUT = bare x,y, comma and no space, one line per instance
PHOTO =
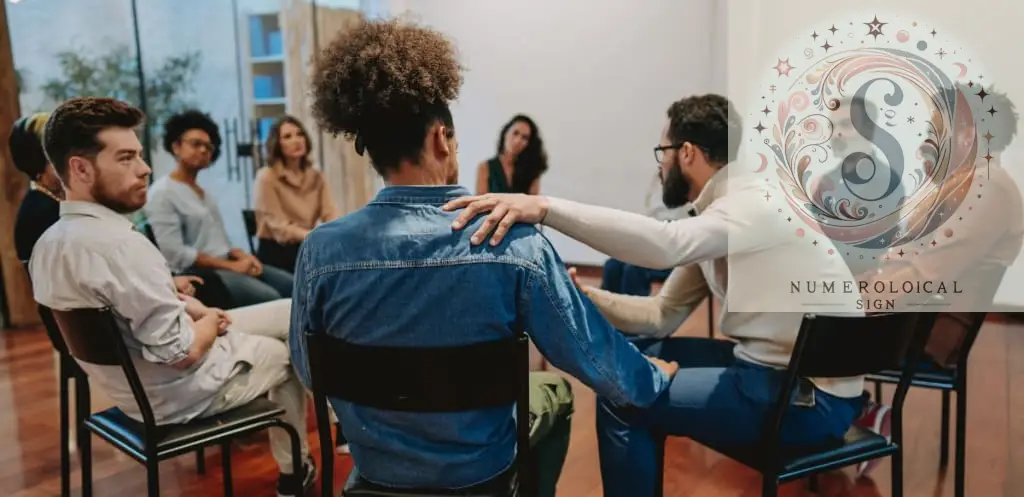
190,363
724,388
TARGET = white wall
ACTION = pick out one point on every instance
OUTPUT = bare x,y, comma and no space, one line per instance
596,75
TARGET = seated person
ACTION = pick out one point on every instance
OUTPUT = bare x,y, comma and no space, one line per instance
395,274
291,197
724,388
187,223
519,162
40,207
191,363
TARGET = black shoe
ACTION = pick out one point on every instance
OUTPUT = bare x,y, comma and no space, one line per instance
288,485
340,442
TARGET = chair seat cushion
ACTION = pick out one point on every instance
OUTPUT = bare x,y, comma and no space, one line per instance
857,444
116,426
502,486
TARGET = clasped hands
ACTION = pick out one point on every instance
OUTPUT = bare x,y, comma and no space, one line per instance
244,263
199,312
505,210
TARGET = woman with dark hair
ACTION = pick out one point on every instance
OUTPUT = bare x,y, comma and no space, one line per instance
291,196
520,162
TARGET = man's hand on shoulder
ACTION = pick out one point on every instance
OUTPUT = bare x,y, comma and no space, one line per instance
505,210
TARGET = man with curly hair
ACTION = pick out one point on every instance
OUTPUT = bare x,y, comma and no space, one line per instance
395,274
187,222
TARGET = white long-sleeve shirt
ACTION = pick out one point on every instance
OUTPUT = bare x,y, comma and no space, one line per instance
731,233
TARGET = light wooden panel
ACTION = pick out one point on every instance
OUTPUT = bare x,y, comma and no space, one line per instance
349,175
21,308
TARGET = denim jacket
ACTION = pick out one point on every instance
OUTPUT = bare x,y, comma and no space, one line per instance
395,273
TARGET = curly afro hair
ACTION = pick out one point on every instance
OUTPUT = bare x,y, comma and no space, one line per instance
178,124
385,83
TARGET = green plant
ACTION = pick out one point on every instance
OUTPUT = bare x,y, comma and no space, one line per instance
115,74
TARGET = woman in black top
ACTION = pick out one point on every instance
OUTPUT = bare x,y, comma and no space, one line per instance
41,206
520,161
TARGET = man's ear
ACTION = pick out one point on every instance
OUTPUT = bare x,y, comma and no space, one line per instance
80,167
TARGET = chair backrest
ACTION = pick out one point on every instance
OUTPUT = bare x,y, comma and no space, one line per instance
424,379
833,346
47,318
249,217
96,336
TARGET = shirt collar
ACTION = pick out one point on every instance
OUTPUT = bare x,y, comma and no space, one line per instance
70,208
430,195
713,189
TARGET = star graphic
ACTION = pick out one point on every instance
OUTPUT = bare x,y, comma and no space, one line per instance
783,67
902,253
941,53
815,243
982,94
766,111
814,36
934,33
910,119
875,27
826,46
759,127
789,219
833,29
989,136
767,196
772,88
988,158
970,84
992,111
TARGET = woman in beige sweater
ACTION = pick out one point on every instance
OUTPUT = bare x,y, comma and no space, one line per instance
291,196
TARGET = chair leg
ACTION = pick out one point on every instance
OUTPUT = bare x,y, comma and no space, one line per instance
878,393
769,486
83,409
200,461
297,462
225,457
65,432
897,472
944,431
960,482
659,455
153,477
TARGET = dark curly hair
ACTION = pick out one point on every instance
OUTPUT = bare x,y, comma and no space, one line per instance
179,124
26,144
385,83
531,162
73,127
708,121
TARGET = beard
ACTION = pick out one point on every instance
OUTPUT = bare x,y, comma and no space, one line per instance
675,190
119,203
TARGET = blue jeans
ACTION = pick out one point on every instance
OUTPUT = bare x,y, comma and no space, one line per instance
246,290
619,277
714,399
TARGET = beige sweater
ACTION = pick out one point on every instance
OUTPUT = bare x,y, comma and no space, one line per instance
290,203
699,249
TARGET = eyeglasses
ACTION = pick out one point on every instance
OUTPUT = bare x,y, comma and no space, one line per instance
659,151
197,143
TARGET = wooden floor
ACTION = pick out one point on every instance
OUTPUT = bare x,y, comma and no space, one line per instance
29,462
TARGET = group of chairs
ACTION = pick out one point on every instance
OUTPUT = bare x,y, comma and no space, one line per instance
886,347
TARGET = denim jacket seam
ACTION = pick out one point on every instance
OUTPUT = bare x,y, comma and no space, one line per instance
405,264
574,331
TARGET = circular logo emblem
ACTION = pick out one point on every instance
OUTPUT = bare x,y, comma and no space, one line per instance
872,132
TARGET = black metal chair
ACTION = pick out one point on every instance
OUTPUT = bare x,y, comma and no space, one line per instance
249,217
429,380
95,336
930,375
832,347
